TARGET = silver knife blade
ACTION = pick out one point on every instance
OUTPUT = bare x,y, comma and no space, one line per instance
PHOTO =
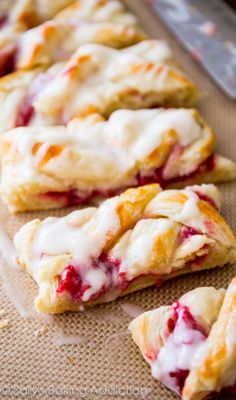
208,30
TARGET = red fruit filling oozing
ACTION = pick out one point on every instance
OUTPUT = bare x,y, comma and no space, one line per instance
157,175
72,283
67,198
71,280
206,198
3,20
182,313
25,114
183,317
7,60
180,377
186,232
72,197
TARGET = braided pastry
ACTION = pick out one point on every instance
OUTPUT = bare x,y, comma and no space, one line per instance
191,345
16,16
96,79
130,242
87,21
49,167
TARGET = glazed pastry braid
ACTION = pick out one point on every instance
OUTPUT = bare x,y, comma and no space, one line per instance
98,11
191,344
30,13
129,242
16,16
104,22
96,79
51,167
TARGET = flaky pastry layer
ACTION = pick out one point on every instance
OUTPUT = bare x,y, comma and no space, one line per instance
96,79
131,241
191,344
91,158
85,21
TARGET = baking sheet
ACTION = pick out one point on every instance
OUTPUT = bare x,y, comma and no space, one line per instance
108,365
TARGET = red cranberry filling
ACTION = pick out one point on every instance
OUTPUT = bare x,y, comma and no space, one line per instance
68,198
186,232
180,377
25,114
171,324
157,175
206,198
7,60
183,313
72,197
3,20
71,281
183,317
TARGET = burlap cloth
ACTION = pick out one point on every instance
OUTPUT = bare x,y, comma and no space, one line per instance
32,366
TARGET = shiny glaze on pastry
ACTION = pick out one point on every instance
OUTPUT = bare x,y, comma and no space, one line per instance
96,79
190,345
85,21
129,242
48,167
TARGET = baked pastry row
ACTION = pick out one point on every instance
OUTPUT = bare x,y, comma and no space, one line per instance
52,167
28,13
129,242
96,21
16,16
191,344
95,79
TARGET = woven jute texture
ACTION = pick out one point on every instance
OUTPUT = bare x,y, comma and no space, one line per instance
108,365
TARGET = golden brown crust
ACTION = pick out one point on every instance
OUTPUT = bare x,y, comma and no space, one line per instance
136,145
213,364
138,245
216,368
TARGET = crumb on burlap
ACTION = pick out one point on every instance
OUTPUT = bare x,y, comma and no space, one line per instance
41,331
4,323
70,360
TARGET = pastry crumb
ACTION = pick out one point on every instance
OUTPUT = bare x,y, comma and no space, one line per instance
41,331
70,359
4,323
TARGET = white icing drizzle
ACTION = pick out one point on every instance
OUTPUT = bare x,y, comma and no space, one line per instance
96,278
210,190
62,339
7,249
12,292
82,241
93,10
103,315
135,252
177,354
116,338
13,287
59,237
190,209
109,150
106,73
132,310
